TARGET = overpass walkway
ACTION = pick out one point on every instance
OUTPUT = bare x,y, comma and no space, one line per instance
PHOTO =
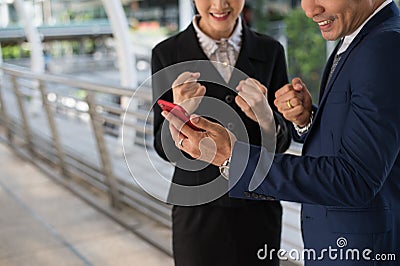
69,128
43,223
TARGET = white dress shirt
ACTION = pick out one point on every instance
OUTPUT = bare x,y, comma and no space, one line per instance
224,52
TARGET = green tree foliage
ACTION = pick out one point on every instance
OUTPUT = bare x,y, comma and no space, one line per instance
260,15
263,14
306,50
14,52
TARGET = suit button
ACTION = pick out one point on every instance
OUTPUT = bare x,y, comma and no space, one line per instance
255,195
263,197
229,98
270,198
247,194
231,126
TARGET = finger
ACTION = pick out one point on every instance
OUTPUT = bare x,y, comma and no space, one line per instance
176,135
242,104
173,120
287,103
247,83
294,114
290,103
295,102
251,84
181,78
181,126
282,91
250,87
195,89
248,97
297,84
295,111
282,100
201,91
203,123
187,86
260,86
186,77
240,85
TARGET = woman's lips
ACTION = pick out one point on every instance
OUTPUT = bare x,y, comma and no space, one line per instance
220,16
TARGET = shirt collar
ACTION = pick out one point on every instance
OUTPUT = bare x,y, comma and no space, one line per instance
209,45
349,39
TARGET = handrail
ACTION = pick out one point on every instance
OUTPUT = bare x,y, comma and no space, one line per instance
23,72
87,159
103,177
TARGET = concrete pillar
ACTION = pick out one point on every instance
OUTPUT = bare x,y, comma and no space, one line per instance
1,60
4,15
26,16
126,60
186,12
123,43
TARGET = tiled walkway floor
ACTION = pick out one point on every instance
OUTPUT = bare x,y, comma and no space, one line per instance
43,224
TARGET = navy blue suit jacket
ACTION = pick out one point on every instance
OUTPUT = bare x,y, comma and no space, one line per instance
348,177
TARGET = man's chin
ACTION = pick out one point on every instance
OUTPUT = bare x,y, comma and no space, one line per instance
329,37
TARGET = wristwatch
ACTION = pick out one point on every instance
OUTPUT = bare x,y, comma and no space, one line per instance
224,168
303,130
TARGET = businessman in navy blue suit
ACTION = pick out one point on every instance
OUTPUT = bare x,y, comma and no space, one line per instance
348,176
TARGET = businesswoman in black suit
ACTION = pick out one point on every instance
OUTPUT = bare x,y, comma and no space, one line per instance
224,231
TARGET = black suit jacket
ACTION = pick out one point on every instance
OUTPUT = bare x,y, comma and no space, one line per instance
260,57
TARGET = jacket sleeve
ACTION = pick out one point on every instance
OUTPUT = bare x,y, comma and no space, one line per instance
284,136
296,136
163,142
368,143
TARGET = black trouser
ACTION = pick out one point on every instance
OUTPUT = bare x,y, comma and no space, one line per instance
210,235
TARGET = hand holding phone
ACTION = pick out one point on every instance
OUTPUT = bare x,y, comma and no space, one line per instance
177,111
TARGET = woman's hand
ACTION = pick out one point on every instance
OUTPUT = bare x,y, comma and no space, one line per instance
187,92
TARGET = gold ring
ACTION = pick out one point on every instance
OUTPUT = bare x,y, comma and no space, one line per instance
289,104
180,143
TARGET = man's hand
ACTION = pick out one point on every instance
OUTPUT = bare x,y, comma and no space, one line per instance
294,102
187,92
253,101
213,145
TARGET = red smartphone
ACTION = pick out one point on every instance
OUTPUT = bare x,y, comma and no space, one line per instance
177,111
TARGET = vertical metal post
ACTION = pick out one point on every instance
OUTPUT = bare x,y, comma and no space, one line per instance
103,151
124,48
123,42
25,124
6,119
53,128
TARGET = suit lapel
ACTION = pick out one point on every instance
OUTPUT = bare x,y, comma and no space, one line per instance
381,16
327,71
243,62
387,12
189,48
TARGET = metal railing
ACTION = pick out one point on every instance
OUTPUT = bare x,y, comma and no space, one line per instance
72,128
71,110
